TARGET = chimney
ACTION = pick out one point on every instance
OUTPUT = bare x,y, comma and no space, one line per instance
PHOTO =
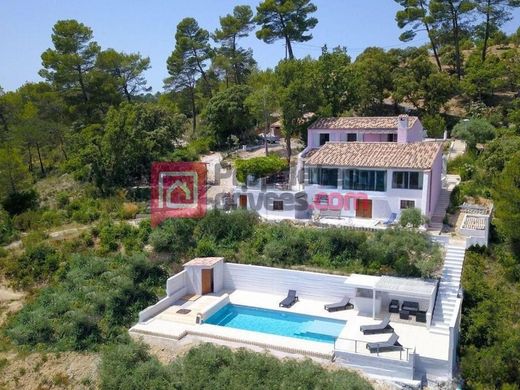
402,129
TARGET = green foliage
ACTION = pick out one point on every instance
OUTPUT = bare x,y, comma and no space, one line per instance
193,150
259,167
7,232
412,217
130,366
474,131
435,125
490,339
14,175
36,265
174,235
18,202
240,237
227,114
507,201
94,303
287,20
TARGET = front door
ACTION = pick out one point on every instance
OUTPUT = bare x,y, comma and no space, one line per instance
242,201
364,208
207,281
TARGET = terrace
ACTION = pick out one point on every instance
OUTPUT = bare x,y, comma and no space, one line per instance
208,285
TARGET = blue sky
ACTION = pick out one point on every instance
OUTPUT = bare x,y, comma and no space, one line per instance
148,27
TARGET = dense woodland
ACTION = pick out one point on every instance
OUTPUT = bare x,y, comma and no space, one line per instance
74,144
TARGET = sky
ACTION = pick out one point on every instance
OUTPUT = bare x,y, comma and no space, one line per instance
148,27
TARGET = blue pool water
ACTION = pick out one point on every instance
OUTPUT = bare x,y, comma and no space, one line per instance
278,322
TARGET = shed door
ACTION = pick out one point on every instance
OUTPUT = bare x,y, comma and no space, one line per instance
242,200
207,281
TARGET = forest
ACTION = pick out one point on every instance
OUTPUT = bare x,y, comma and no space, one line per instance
74,145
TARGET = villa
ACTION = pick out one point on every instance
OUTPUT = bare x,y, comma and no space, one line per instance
385,326
368,168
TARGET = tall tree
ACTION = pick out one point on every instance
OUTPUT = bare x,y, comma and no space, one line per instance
451,19
336,80
73,57
126,69
416,17
373,70
298,94
496,13
285,19
188,61
232,28
227,114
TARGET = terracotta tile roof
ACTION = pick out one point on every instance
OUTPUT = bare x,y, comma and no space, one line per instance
418,155
358,122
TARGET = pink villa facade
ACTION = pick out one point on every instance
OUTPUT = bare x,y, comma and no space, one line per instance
363,167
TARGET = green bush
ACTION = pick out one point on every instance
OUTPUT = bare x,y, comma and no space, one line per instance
130,367
174,235
226,228
37,264
7,231
412,217
18,202
93,303
259,167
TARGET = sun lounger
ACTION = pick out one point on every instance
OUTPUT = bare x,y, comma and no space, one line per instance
390,219
382,327
290,300
386,346
344,304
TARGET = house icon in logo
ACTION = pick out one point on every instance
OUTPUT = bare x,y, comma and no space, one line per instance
166,194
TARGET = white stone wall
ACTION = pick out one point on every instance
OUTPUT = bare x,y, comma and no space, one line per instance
308,285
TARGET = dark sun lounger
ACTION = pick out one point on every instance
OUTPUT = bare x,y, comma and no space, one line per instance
344,304
386,346
382,327
290,300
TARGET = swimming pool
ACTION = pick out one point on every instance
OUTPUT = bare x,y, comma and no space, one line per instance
277,322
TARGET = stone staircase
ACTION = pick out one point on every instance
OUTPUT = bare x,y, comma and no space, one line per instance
437,218
448,289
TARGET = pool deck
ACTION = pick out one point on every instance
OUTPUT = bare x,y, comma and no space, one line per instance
172,325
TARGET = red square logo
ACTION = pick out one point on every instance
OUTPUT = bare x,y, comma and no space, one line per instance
178,190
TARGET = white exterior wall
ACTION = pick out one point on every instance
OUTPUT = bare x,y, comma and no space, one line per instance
308,285
176,282
262,202
383,202
218,277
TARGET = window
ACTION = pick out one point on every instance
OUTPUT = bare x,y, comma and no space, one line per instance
391,138
323,176
324,138
364,180
278,205
408,180
407,204
351,137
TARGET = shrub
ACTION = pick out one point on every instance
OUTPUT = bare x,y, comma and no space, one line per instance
412,217
94,303
474,131
18,202
259,167
131,367
174,235
226,228
37,264
7,232
434,124
129,210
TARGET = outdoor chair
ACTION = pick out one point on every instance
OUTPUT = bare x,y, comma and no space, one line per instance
404,314
391,219
386,346
344,304
394,306
382,327
420,316
412,307
290,300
